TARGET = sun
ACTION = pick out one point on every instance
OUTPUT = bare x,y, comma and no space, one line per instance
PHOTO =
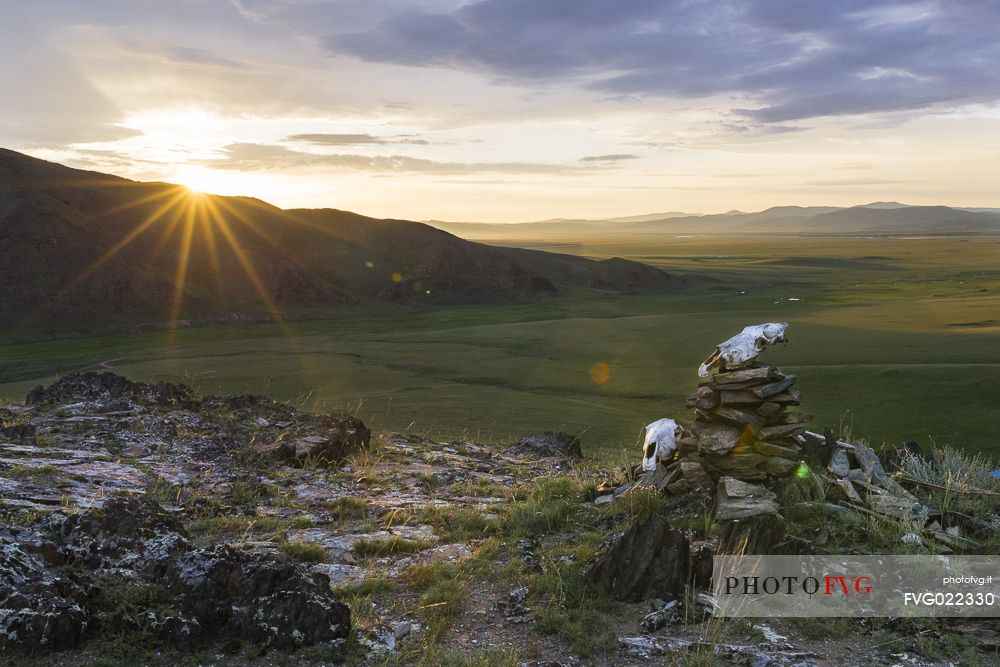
202,180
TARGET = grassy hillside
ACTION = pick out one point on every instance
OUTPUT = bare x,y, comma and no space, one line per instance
92,252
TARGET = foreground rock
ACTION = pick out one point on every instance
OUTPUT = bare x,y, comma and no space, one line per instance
647,561
109,387
226,593
58,577
38,609
338,437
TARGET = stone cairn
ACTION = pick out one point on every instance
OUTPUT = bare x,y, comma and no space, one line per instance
742,429
746,457
743,433
742,426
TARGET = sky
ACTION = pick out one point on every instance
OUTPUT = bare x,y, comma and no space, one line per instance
515,110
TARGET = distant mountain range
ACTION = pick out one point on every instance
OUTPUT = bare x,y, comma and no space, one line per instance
84,250
875,219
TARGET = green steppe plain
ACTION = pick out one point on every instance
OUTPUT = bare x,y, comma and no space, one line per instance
892,339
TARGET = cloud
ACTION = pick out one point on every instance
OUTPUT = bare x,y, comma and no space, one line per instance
188,55
87,158
791,60
354,139
614,157
256,157
46,98
852,182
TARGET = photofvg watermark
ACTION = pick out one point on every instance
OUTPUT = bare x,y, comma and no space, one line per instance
756,586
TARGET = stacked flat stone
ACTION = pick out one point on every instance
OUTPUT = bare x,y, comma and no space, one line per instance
742,426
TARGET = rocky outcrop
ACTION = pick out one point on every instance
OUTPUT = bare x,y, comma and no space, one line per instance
130,536
56,573
91,385
117,507
89,435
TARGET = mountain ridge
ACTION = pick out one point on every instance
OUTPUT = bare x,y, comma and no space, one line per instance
874,218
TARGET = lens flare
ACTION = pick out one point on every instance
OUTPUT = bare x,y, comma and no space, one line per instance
600,373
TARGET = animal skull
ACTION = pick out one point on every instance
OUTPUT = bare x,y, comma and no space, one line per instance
743,348
660,442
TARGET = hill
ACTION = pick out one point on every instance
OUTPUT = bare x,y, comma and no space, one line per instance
85,248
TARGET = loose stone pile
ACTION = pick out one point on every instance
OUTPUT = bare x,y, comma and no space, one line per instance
858,481
742,425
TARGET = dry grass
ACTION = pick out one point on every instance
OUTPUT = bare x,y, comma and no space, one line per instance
962,476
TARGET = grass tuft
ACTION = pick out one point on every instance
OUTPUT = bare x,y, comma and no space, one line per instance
306,552
250,491
391,545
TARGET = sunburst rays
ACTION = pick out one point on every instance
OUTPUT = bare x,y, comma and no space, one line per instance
179,236
184,257
186,224
153,218
226,232
179,255
208,238
241,256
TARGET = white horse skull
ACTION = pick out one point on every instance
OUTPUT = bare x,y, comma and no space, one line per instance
660,442
743,348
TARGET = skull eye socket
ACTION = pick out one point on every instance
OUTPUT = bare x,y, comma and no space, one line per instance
650,450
